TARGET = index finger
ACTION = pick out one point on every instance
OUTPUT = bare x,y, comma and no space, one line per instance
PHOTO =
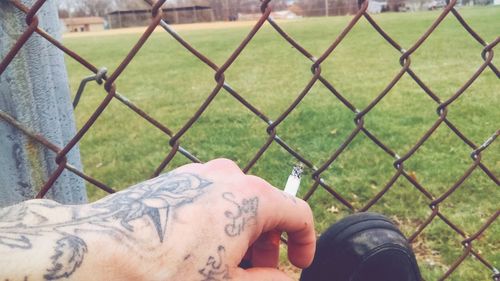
289,214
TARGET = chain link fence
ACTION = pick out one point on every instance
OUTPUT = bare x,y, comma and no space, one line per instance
434,200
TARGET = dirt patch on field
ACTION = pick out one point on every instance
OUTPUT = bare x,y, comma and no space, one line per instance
177,27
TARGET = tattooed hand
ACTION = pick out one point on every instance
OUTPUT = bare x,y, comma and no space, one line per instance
196,223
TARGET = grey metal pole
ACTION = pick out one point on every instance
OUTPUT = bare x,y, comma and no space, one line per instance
34,90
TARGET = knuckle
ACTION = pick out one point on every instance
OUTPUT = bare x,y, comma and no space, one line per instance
189,168
193,166
257,183
307,209
223,163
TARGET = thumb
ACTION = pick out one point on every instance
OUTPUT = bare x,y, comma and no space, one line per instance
261,274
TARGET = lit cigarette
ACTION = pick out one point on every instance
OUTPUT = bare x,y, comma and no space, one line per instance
291,187
293,182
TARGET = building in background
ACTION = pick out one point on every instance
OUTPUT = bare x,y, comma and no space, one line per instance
173,15
376,7
278,15
83,24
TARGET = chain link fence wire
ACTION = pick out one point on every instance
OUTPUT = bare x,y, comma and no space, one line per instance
434,200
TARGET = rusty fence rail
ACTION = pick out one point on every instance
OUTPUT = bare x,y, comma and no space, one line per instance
434,200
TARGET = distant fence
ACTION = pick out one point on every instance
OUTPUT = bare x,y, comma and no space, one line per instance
434,200
176,15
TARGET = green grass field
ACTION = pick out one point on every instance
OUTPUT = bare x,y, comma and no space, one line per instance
170,84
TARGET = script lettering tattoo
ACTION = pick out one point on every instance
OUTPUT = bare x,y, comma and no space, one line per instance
215,269
154,200
245,214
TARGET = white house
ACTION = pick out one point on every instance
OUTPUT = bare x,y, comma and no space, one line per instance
375,7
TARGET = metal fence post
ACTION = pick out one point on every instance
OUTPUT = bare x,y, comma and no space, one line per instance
34,90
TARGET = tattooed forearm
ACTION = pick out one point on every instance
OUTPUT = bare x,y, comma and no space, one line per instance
154,200
215,269
245,214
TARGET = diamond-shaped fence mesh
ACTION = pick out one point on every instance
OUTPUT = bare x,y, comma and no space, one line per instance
317,170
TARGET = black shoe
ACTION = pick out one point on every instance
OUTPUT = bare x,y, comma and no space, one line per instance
362,247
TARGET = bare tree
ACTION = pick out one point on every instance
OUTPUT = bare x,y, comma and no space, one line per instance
133,4
97,8
219,7
92,8
252,6
335,7
312,7
63,13
395,5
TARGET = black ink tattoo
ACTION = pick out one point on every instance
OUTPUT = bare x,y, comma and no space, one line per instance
155,200
215,269
13,214
15,241
68,257
245,215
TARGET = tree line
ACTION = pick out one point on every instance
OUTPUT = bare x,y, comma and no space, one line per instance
223,9
229,9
